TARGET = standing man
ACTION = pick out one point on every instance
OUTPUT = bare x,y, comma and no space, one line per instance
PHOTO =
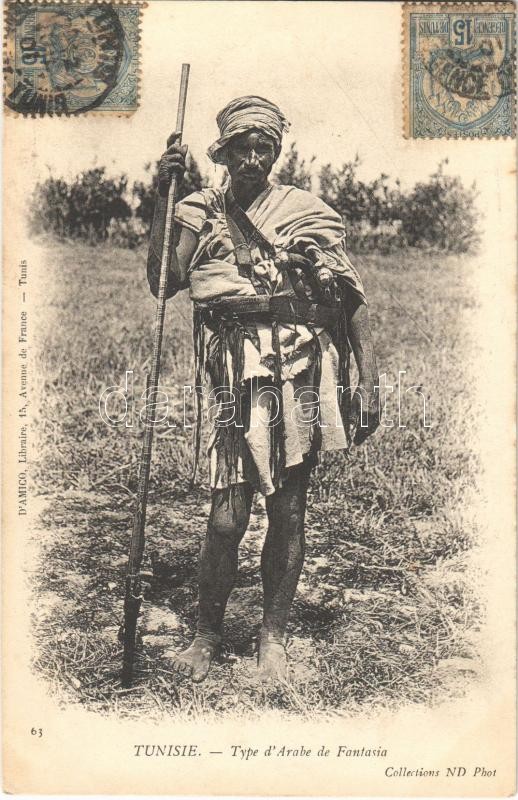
277,307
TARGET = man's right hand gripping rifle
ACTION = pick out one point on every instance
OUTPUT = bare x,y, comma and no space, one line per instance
172,162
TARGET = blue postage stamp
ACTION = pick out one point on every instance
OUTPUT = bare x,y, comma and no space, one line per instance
459,70
71,58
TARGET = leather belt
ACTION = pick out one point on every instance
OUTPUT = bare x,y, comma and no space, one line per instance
266,308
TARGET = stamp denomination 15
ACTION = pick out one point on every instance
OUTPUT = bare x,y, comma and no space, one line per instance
460,64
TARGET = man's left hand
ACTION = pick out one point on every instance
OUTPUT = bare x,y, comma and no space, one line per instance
365,410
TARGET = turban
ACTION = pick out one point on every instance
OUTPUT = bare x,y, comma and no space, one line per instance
242,115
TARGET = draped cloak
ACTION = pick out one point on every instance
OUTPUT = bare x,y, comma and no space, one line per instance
288,218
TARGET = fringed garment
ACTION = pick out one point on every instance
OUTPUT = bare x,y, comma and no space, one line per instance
278,388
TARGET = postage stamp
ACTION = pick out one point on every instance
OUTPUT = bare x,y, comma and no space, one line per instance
459,75
71,58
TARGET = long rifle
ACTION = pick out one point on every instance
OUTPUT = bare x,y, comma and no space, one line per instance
133,594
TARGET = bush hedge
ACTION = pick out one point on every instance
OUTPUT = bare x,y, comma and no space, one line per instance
439,213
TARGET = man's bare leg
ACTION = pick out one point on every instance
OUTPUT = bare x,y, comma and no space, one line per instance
281,564
228,521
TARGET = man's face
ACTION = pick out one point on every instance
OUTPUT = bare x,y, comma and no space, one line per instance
250,157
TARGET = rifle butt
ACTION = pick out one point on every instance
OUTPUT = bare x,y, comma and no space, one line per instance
132,603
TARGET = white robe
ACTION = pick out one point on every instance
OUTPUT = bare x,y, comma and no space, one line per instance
286,216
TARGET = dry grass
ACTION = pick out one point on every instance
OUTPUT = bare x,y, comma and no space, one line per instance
387,610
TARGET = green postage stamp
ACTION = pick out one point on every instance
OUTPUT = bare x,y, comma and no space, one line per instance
71,58
459,76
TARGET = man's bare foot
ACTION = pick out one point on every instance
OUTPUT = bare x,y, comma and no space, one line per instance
272,663
194,663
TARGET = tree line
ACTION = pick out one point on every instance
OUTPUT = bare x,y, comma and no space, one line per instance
438,213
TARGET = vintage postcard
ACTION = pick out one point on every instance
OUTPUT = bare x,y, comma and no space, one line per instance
259,398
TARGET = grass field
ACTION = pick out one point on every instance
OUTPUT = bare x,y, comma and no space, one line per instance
387,610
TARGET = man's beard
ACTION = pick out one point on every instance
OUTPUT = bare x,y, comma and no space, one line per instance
252,177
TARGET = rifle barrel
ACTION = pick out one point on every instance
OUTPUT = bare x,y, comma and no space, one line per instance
133,597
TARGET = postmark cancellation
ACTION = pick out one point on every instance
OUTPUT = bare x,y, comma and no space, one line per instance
71,58
459,70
